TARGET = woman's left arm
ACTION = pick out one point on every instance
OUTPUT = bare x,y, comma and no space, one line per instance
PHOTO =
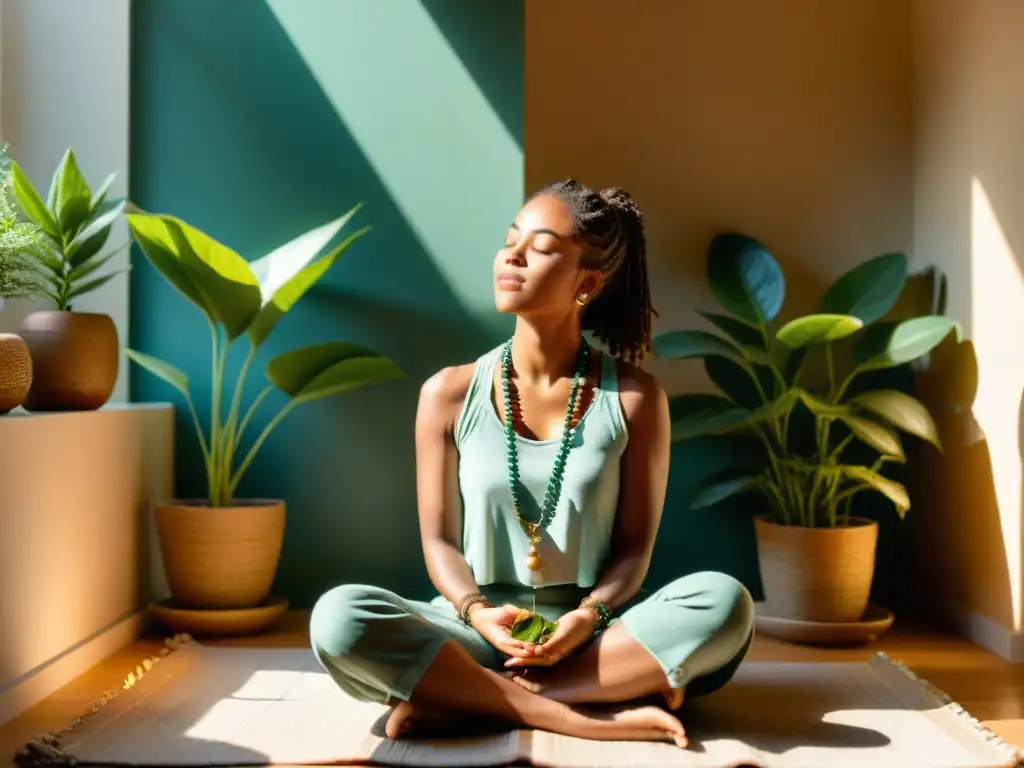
643,484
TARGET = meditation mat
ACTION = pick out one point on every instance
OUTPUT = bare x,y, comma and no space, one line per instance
201,705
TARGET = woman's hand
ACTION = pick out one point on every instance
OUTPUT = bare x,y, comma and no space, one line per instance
495,624
574,629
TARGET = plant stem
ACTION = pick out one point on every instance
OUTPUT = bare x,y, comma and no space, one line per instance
249,413
257,445
231,436
831,371
216,437
199,432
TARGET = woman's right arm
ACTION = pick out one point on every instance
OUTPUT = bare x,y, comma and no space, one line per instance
440,507
437,483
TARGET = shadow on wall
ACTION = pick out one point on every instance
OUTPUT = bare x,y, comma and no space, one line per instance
231,132
486,37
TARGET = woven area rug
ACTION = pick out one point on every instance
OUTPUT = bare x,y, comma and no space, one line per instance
218,706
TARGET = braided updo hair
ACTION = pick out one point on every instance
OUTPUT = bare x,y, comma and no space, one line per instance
612,226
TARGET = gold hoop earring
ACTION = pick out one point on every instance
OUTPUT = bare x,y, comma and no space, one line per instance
581,299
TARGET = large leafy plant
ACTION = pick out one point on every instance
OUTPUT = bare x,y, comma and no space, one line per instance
238,299
808,443
76,224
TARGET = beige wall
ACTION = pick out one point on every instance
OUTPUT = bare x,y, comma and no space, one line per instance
793,127
76,551
969,219
832,131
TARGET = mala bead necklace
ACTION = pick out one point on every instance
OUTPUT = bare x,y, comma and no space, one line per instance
554,488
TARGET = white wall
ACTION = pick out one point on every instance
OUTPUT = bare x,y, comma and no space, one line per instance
64,81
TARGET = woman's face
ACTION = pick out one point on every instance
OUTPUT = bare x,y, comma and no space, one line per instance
538,271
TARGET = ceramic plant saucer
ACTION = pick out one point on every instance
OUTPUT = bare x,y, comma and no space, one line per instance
219,621
876,621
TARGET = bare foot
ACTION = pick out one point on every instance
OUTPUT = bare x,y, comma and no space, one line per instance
642,723
539,682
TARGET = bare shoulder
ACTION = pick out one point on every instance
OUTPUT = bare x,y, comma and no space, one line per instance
641,393
442,394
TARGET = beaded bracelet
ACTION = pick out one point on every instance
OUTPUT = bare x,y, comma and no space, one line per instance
468,602
600,607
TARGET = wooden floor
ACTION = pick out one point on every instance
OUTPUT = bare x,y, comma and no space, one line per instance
987,686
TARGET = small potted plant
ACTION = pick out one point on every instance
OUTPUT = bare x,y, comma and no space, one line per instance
75,354
19,279
221,551
808,426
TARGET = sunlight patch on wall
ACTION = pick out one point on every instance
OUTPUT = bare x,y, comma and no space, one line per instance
998,319
440,149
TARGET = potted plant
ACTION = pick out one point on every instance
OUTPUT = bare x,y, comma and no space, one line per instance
75,354
807,439
19,279
222,551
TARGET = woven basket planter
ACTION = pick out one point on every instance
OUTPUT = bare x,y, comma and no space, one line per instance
220,557
816,574
15,371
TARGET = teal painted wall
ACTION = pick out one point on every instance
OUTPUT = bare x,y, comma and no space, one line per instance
255,125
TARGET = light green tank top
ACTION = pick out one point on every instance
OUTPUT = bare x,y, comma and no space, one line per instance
574,548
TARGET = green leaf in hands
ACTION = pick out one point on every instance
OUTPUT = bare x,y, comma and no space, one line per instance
31,203
902,411
818,329
869,290
745,278
895,492
173,376
74,198
532,628
887,345
288,294
322,370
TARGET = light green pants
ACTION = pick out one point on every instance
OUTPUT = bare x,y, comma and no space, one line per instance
377,645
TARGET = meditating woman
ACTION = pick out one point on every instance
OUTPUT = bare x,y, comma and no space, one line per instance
541,474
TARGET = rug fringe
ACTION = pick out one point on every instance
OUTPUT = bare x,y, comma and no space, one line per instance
1014,753
47,749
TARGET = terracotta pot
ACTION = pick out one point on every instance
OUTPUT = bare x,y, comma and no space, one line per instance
816,574
74,360
15,371
220,557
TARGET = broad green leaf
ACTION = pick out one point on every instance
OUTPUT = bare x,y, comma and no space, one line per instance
692,404
889,344
737,330
711,421
820,407
210,274
322,370
288,294
73,194
869,290
158,367
93,236
745,278
894,491
30,202
532,628
151,235
282,264
101,193
818,329
902,411
222,275
83,288
715,491
680,345
878,436
738,382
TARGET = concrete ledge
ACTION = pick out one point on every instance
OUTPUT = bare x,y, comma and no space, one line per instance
76,552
